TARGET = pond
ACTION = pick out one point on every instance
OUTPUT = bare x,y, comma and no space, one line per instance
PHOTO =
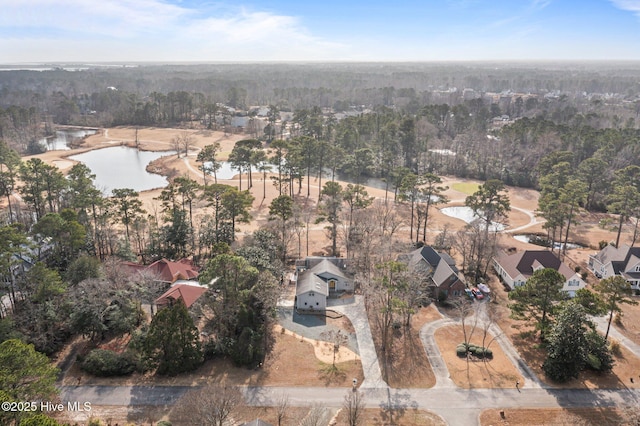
226,172
123,167
544,242
466,214
60,142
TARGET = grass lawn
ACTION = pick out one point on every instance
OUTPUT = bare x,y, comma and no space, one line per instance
497,372
553,416
465,187
403,417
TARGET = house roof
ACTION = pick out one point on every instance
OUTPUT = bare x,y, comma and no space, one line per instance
619,258
186,291
430,255
308,281
170,271
428,261
525,262
326,266
312,261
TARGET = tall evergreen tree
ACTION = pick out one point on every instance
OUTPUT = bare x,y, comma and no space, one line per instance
173,341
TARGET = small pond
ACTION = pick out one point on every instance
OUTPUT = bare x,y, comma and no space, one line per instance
60,142
226,172
466,214
542,241
123,167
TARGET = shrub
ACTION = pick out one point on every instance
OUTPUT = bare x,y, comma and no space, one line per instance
618,319
105,363
163,423
594,362
461,350
614,347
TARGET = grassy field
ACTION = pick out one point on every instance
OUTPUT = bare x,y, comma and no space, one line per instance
465,187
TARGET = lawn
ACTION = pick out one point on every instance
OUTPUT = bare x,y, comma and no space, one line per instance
399,417
497,372
465,187
553,416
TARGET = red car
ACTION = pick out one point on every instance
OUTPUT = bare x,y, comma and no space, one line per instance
477,293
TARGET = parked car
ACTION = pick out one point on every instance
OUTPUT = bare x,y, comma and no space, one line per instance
484,288
477,293
469,293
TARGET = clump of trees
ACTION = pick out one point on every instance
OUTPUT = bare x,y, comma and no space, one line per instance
569,337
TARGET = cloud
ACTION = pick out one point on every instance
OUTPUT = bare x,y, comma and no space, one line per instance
155,30
628,5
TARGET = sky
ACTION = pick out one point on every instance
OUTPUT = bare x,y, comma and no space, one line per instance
88,31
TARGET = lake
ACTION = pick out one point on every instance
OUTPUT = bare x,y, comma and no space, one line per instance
60,142
123,167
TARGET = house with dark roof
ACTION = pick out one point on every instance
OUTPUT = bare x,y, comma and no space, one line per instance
323,279
438,268
623,261
516,268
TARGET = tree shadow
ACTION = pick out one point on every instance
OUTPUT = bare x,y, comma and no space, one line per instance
331,374
396,406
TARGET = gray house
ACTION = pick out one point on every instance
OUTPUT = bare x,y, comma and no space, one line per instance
623,261
439,269
323,279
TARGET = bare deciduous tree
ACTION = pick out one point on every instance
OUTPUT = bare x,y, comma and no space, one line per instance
317,416
282,406
354,407
336,338
210,405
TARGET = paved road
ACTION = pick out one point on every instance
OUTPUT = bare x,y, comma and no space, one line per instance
456,406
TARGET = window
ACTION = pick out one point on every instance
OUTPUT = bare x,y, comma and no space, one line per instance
637,268
305,303
317,304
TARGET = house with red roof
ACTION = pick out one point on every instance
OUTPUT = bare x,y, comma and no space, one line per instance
168,271
186,291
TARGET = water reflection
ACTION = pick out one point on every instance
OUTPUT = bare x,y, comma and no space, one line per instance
62,139
544,242
466,214
123,167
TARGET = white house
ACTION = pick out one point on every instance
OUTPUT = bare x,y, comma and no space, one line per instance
311,292
314,285
623,261
515,269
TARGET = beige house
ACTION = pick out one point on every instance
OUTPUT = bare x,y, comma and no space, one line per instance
515,269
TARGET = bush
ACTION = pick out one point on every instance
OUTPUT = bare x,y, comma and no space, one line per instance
594,362
614,347
481,352
617,319
163,423
105,363
461,350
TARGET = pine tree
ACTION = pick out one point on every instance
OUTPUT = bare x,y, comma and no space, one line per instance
173,343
